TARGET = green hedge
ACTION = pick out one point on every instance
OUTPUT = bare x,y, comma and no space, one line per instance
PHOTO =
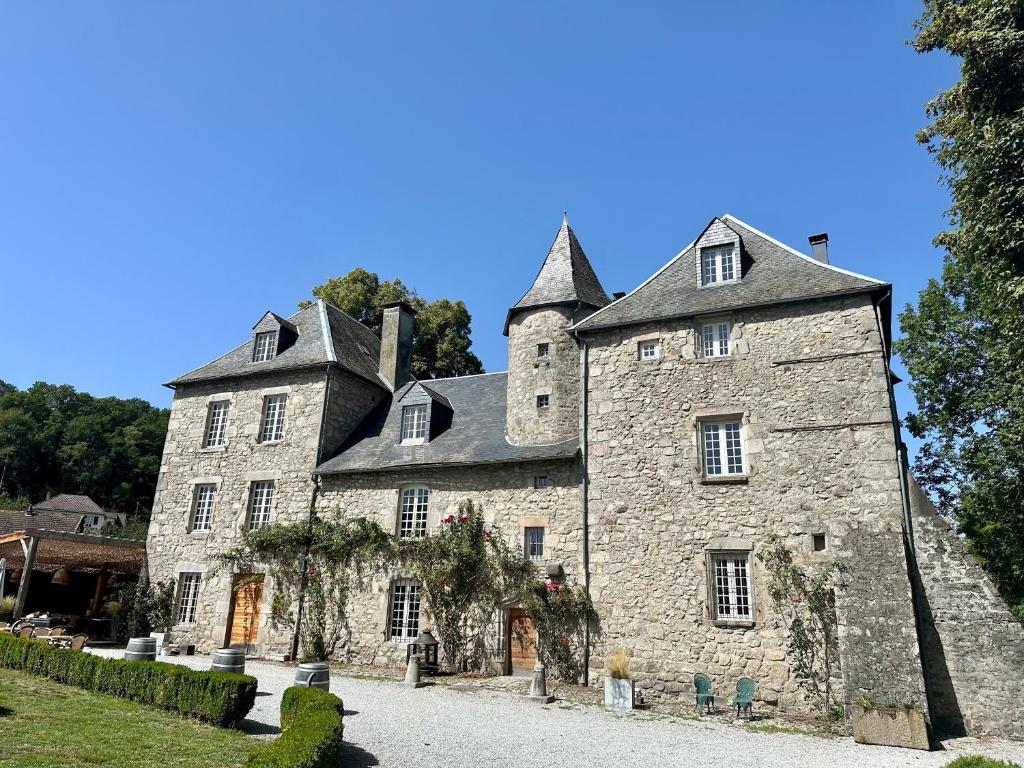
311,731
978,761
220,698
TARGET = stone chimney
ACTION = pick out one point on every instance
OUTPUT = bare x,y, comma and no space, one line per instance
819,247
396,344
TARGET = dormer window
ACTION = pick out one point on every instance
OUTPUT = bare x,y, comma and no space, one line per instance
264,347
415,420
717,265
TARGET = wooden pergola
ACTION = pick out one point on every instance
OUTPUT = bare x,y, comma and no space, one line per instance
43,550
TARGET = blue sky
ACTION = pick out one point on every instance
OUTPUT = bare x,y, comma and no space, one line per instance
168,172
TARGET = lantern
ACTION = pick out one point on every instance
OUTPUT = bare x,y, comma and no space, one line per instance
424,646
61,577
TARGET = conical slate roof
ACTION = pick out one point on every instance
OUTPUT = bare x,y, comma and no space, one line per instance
566,277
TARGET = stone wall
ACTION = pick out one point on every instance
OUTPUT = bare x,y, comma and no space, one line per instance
557,376
972,646
808,384
509,501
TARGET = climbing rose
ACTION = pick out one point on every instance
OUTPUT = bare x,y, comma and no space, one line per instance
564,641
487,535
450,519
463,519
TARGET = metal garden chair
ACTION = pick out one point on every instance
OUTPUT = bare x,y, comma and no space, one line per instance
744,698
702,690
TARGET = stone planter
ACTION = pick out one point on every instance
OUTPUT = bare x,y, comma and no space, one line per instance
618,693
890,727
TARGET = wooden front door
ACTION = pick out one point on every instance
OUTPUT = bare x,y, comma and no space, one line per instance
245,611
522,639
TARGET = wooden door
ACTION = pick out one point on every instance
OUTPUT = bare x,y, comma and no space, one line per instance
522,639
245,611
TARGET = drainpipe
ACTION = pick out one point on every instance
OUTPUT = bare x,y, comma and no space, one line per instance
584,496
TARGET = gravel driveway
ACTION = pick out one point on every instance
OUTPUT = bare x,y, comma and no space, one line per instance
388,724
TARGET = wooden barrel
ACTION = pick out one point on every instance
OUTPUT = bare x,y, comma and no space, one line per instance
141,649
228,660
314,674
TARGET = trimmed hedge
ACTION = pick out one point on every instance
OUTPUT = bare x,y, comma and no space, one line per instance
219,698
979,761
311,731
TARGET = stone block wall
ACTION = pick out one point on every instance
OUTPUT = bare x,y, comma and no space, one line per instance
509,501
972,646
808,384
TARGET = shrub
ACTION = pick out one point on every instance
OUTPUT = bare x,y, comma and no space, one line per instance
311,731
219,698
617,665
979,761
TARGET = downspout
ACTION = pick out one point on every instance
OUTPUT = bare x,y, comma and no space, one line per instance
584,497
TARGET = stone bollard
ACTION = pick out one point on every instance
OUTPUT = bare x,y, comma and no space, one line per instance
539,686
412,672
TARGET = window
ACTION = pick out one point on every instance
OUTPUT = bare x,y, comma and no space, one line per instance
723,449
543,350
414,423
264,347
650,350
717,265
533,542
91,521
731,576
716,340
272,427
412,516
217,424
542,481
188,597
202,507
498,635
404,623
818,542
261,499
543,401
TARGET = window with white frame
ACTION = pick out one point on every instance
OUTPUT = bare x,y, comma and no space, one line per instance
543,401
261,501
404,618
91,521
722,448
533,544
263,349
412,515
202,506
414,423
272,428
717,265
716,338
217,424
730,574
188,597
649,350
543,350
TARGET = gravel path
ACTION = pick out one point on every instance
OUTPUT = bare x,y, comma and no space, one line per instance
388,724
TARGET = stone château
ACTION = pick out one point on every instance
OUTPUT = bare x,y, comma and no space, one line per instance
643,447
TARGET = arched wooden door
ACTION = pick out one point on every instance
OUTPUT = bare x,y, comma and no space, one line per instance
244,621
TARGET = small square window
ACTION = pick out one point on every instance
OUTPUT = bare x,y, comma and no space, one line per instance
533,541
542,481
650,350
264,348
543,401
818,542
543,350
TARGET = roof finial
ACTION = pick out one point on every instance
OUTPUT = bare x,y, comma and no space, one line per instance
565,218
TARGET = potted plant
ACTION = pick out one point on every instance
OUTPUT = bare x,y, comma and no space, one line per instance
6,608
618,685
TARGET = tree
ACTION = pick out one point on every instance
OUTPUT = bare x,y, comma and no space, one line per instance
964,341
442,331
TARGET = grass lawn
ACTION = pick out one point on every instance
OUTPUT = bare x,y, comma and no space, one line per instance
43,724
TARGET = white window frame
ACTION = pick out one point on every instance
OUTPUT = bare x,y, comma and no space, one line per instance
204,497
545,404
649,350
716,339
533,543
404,602
413,508
731,586
261,503
723,453
543,350
415,423
717,261
217,414
272,423
264,346
187,603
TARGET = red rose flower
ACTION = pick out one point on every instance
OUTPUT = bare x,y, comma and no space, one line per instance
463,519
553,587
564,641
487,535
449,519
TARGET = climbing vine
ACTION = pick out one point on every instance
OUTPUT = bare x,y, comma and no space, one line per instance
560,613
807,605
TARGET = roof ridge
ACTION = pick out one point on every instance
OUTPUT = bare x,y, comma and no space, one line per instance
468,376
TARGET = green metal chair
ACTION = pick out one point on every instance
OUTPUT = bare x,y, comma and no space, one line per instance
744,698
702,689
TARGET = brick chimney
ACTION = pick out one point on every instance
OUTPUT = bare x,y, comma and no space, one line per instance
396,344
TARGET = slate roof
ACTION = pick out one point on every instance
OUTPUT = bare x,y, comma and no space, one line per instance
774,274
476,435
12,520
325,335
565,277
70,502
